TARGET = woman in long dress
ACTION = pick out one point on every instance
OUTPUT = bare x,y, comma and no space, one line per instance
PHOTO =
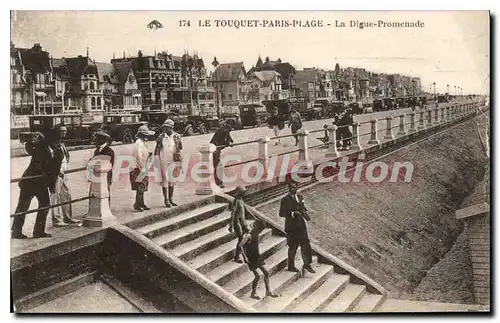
139,175
168,149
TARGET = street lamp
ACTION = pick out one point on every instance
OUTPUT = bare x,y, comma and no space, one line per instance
434,85
448,89
455,90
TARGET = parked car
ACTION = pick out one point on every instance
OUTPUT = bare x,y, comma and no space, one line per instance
122,127
253,115
233,120
155,120
78,133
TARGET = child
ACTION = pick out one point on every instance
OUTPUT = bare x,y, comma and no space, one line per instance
251,254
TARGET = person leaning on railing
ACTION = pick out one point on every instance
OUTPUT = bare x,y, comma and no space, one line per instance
35,183
221,139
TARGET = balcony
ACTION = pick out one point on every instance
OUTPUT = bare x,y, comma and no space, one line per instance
44,86
17,85
94,92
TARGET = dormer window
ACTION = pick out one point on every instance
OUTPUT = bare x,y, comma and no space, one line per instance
131,79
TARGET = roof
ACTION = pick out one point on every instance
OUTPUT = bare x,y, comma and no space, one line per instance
35,59
105,69
228,71
58,62
122,70
78,65
306,76
265,76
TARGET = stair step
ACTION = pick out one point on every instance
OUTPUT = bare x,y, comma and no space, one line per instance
173,239
323,295
297,291
369,303
347,299
278,282
181,220
240,284
191,249
223,253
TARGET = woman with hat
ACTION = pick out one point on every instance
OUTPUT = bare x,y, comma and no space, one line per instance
139,175
238,222
168,149
103,142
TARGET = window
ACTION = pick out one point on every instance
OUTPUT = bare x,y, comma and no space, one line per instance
92,101
211,105
92,85
230,96
98,102
67,121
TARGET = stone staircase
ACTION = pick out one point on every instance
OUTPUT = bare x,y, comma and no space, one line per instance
201,239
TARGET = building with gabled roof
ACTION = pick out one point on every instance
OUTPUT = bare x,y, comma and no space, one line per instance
230,82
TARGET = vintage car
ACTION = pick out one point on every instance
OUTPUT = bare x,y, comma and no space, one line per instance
401,103
388,103
199,124
252,115
356,107
233,120
121,127
155,120
78,133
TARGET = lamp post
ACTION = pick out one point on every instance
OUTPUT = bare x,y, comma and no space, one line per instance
455,90
448,89
434,86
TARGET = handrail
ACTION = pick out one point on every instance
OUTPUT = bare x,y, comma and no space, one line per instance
50,206
242,162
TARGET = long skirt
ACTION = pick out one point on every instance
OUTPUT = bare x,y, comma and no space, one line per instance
141,185
62,194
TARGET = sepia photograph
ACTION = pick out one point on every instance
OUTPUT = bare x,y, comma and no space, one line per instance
250,162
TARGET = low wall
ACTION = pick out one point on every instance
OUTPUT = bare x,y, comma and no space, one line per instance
394,232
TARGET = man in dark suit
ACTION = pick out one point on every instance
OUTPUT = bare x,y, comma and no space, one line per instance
39,177
293,210
221,139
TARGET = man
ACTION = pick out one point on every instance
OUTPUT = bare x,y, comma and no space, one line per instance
295,123
221,139
168,149
62,215
38,179
293,210
347,121
238,222
274,123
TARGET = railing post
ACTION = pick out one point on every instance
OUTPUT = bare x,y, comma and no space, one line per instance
332,141
421,121
401,131
436,116
207,179
429,118
303,148
412,129
264,152
373,133
355,137
448,116
99,214
388,128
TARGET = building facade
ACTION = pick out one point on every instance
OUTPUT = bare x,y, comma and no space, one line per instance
230,83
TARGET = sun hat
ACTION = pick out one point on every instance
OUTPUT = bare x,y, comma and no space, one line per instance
144,130
169,123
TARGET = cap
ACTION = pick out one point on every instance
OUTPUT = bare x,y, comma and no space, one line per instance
102,135
241,190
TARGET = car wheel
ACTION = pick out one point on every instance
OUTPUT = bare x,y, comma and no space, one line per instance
127,138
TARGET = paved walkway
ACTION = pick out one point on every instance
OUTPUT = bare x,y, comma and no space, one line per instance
122,197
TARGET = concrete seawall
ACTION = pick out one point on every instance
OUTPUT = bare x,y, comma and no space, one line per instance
395,232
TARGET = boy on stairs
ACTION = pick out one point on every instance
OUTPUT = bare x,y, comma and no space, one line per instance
252,257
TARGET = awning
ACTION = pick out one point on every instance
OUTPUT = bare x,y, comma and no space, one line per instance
40,94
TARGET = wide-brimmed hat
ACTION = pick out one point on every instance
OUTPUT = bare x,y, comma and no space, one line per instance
144,130
169,123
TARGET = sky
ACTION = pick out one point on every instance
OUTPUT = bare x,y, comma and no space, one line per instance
452,48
